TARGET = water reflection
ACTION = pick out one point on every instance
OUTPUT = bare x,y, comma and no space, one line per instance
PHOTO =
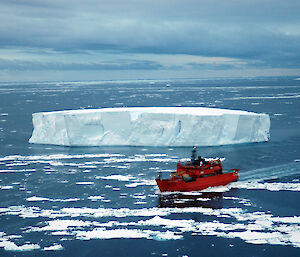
212,200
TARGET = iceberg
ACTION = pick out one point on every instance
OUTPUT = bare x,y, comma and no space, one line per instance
149,126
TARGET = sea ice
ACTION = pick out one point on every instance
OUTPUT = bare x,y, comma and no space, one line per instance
149,126
11,246
155,224
38,199
55,247
126,233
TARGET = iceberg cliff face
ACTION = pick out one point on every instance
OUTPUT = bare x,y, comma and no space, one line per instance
149,126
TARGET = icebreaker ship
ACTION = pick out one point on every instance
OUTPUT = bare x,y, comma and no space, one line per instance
149,126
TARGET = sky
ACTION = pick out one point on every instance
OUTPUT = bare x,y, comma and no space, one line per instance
69,40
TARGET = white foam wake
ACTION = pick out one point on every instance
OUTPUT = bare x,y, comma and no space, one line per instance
278,171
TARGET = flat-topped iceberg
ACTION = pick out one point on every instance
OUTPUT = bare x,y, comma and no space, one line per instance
149,126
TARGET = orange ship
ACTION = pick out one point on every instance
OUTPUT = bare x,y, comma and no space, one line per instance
197,175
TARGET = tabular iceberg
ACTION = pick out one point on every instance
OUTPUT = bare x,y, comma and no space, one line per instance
149,126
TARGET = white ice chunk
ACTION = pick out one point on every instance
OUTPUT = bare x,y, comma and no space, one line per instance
11,246
85,183
63,225
149,126
55,247
36,199
158,221
126,233
118,177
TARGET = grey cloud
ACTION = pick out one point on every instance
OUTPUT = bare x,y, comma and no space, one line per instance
213,10
213,66
249,30
19,65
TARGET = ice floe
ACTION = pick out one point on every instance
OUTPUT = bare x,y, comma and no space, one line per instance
55,247
6,187
129,178
96,197
38,199
20,170
85,183
11,246
54,225
117,177
100,233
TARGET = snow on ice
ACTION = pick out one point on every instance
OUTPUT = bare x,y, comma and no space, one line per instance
150,126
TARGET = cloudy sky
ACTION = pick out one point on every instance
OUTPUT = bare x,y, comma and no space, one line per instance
128,39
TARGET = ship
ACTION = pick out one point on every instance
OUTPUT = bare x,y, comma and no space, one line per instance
197,174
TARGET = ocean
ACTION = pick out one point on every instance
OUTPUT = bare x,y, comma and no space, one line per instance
103,201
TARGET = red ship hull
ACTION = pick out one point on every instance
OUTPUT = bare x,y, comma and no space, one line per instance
198,184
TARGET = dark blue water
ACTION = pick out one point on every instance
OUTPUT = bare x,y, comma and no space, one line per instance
102,201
